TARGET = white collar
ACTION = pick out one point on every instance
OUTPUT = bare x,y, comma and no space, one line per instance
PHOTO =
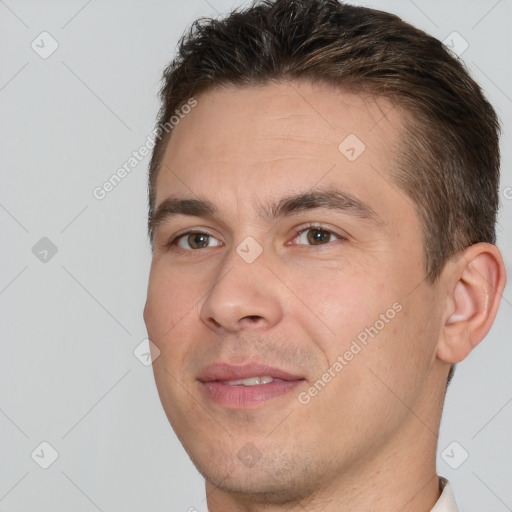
446,502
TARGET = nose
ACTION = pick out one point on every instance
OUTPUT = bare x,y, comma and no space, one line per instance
244,295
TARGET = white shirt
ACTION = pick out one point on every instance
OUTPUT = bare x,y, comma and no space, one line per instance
446,502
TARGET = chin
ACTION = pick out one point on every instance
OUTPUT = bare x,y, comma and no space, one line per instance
278,479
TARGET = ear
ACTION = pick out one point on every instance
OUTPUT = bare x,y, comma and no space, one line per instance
476,280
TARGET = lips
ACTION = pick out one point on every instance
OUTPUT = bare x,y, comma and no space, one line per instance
246,386
223,372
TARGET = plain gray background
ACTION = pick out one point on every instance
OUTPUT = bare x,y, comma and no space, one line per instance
71,320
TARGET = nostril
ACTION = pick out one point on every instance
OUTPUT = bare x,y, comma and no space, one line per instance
214,322
252,318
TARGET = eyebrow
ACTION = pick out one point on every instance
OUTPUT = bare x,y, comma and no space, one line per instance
333,199
173,206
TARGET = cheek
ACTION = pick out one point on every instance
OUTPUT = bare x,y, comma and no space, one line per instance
171,316
380,367
399,360
341,304
369,324
171,300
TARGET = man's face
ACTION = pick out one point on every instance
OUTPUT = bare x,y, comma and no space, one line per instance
305,255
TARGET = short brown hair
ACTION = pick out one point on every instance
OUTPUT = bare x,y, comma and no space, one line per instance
449,162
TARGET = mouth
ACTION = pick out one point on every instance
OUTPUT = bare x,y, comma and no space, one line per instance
251,381
246,386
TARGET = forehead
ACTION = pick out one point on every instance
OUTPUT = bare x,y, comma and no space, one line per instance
280,133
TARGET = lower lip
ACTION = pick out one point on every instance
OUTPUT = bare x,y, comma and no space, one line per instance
243,397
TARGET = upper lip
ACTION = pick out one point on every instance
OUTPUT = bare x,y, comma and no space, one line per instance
228,372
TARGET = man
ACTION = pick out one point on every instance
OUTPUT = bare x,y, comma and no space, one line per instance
323,194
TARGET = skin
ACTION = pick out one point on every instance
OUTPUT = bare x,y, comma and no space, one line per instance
367,440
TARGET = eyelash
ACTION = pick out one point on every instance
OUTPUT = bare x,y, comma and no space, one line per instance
309,226
317,226
175,240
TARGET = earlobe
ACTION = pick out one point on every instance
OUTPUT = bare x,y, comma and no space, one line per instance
477,282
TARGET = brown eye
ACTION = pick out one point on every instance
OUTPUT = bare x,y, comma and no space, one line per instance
316,236
196,240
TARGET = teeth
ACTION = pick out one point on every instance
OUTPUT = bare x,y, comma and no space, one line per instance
251,381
